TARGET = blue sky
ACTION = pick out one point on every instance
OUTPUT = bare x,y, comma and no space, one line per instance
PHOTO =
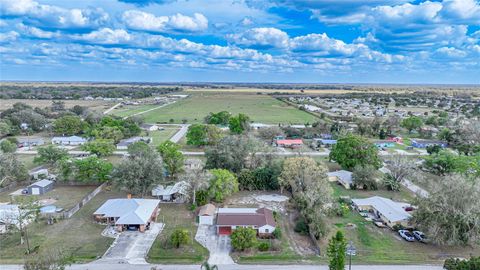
319,41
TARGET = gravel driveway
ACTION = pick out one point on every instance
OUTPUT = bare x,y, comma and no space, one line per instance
218,246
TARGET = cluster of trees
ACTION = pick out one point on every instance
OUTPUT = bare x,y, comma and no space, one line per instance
201,135
22,117
446,162
353,150
58,91
11,169
462,264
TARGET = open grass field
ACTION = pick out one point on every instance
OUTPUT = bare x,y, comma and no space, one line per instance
260,90
96,105
160,136
79,235
259,108
176,216
133,109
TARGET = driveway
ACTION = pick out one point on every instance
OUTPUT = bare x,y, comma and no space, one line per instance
178,136
218,246
132,246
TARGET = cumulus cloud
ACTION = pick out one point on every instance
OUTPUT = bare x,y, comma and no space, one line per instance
36,32
8,36
264,37
106,36
139,20
53,16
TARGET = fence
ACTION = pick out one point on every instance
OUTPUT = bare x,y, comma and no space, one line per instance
69,213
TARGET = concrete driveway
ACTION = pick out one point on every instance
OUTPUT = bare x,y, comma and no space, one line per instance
218,246
132,246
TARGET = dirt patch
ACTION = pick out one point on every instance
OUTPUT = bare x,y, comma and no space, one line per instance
271,200
302,244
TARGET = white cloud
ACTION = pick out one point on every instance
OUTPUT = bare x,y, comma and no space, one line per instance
53,16
139,20
36,32
461,10
106,36
8,36
450,52
266,37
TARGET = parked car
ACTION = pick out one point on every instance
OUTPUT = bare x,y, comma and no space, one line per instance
420,236
407,235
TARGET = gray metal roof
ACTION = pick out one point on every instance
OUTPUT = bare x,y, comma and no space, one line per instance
69,139
179,187
128,211
391,210
344,176
42,183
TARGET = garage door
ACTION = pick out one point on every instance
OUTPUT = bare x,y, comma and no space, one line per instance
224,230
35,191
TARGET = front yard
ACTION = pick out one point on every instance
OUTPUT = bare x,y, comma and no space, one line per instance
176,216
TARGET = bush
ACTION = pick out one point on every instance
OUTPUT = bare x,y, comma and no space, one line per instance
459,264
277,233
263,246
243,238
179,237
301,226
397,227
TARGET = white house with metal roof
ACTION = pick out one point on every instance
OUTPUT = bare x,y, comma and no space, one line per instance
173,193
390,212
128,214
71,140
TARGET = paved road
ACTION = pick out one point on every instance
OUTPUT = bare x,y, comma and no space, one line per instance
111,266
111,108
414,188
179,135
149,110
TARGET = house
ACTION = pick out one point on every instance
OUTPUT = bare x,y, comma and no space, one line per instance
71,140
326,142
391,213
259,219
342,177
384,144
38,173
173,193
40,187
149,127
395,139
123,144
290,143
29,141
128,214
419,143
10,216
206,215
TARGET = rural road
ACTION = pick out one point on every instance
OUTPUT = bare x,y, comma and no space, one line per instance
116,266
179,135
112,108
149,110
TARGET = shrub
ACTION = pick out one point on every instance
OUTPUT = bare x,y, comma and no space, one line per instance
263,246
179,237
277,233
397,227
301,226
243,238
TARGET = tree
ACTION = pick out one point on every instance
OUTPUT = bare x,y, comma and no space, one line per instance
79,110
69,125
99,147
462,264
50,154
222,184
220,118
336,250
172,157
140,172
310,189
433,149
179,237
34,120
28,210
7,146
92,170
197,179
450,215
5,128
445,162
399,167
200,135
11,169
270,133
412,123
243,238
238,124
353,150
365,177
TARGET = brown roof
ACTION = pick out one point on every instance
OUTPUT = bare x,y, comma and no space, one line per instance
207,210
263,216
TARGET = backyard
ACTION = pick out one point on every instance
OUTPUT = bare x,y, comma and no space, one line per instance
176,216
79,235
259,108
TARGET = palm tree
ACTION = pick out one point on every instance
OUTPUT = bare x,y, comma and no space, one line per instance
207,266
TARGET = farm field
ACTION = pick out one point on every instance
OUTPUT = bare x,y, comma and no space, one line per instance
133,109
260,108
176,216
79,235
97,105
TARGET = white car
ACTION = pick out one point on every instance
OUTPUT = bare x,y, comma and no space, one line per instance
407,235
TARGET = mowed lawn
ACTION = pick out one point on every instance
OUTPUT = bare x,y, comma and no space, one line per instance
176,216
129,110
79,235
160,136
259,108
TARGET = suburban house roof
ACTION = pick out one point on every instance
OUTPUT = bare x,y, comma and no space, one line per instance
147,125
127,142
128,211
383,141
207,210
328,141
391,210
427,141
42,183
29,139
344,176
245,217
179,187
69,139
290,141
38,169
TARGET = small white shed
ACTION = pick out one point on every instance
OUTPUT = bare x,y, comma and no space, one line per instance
206,214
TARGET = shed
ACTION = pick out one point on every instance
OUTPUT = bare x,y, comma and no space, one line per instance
206,214
38,173
40,187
